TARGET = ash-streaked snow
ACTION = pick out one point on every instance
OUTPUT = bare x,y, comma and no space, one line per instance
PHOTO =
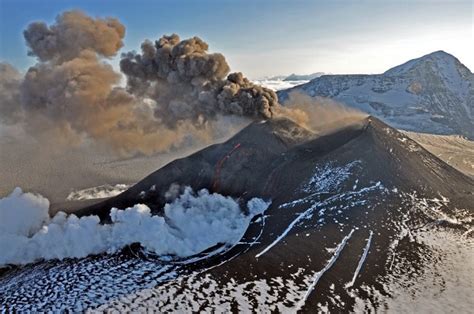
442,278
357,226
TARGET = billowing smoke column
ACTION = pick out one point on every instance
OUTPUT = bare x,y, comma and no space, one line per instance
10,80
72,91
188,83
176,91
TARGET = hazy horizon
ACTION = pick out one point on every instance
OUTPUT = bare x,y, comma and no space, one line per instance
339,38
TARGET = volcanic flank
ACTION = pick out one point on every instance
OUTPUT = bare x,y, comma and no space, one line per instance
270,159
358,214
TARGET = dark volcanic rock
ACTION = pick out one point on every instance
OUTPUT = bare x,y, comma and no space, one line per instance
266,158
362,218
239,167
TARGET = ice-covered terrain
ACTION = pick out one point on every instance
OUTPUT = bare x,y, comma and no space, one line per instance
431,94
301,77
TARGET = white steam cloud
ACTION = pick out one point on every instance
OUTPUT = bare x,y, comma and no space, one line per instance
22,213
191,223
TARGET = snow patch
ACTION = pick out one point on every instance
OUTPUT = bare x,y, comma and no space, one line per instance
101,191
319,274
328,178
361,261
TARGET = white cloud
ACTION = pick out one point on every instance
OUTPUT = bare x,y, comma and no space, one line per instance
22,213
191,223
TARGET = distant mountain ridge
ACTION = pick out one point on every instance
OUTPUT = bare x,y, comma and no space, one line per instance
292,77
280,82
434,94
303,77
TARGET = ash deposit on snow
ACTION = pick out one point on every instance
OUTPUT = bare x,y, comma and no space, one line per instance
190,224
349,194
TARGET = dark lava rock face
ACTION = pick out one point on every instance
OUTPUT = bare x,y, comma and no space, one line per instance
362,219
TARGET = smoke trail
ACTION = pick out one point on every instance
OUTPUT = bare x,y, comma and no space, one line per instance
318,113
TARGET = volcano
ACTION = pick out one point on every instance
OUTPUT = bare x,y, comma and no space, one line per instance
361,218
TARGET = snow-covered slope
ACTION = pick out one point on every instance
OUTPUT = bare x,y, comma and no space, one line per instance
434,94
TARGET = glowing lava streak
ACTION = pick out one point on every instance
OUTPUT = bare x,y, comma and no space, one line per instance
220,163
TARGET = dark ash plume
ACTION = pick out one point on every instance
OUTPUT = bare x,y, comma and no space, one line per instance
189,84
73,33
10,80
177,92
71,92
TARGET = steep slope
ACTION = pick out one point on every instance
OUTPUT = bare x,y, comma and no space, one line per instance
433,94
237,167
362,218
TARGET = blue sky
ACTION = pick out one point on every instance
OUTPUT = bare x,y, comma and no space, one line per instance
273,37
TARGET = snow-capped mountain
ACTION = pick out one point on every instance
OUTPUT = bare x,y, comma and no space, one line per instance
434,93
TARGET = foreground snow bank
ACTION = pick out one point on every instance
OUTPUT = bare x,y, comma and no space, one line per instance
191,223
